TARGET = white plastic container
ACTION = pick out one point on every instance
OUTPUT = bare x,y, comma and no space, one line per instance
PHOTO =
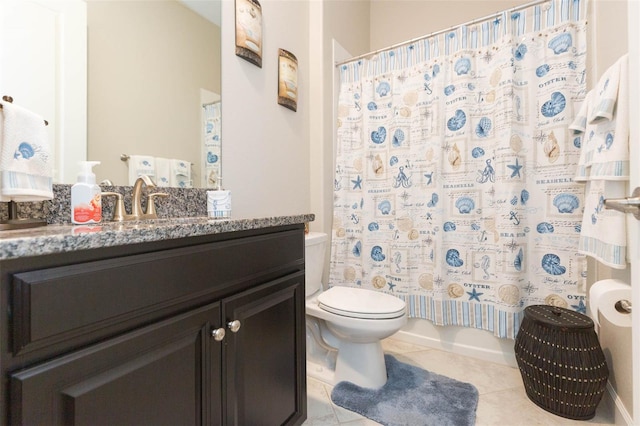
86,201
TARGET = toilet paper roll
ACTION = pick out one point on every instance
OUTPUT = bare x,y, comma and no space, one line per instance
603,297
219,203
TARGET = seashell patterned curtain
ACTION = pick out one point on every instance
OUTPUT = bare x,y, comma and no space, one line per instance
454,175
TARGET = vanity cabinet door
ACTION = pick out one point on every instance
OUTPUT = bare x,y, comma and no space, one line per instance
167,373
264,360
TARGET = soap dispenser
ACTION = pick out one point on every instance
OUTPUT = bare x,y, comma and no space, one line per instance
86,202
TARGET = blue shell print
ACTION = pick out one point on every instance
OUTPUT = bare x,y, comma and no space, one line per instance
393,160
483,128
25,150
372,106
449,89
378,136
458,121
436,70
212,158
357,249
376,254
524,197
520,51
554,106
577,142
477,152
465,205
551,264
453,258
462,66
560,43
384,207
542,70
545,228
373,226
398,137
383,89
566,203
517,262
449,226
433,201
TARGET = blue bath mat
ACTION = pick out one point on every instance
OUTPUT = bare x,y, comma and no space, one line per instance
412,396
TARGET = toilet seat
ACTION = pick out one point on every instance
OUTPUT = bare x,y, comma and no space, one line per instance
361,303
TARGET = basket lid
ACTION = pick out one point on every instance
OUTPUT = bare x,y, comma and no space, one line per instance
553,316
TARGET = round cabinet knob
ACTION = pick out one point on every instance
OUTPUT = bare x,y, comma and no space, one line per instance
218,334
234,326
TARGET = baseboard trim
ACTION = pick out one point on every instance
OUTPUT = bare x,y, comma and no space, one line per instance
615,404
486,354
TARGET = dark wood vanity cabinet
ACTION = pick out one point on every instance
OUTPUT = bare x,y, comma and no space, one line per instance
207,330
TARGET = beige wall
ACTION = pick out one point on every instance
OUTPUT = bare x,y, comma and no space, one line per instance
397,21
265,148
146,65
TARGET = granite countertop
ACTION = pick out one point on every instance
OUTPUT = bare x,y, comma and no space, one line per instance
65,238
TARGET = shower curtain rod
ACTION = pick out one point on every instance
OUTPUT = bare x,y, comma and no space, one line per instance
435,33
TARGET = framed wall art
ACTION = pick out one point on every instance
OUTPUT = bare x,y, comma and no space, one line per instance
249,31
287,79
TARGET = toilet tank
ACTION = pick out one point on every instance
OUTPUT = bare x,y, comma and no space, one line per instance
315,246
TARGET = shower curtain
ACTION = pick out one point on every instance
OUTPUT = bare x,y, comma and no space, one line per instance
454,172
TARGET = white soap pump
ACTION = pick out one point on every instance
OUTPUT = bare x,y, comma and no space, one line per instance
86,201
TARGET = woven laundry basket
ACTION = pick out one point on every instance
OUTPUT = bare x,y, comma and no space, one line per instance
561,362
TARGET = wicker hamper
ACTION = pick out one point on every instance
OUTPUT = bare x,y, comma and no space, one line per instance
561,362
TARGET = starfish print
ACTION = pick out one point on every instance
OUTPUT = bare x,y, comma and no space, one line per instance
391,285
357,183
580,307
515,168
473,294
429,177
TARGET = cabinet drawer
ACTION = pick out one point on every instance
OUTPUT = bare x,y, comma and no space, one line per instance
107,296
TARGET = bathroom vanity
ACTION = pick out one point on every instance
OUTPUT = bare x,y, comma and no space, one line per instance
185,321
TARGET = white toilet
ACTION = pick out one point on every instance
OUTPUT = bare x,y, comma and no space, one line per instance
345,325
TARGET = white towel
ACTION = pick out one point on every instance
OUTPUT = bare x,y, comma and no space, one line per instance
163,172
141,165
603,126
180,173
25,156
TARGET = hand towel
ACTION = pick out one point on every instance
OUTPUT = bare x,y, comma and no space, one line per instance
602,123
180,173
25,156
141,165
163,172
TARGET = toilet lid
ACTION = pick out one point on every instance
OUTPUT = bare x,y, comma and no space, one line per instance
361,303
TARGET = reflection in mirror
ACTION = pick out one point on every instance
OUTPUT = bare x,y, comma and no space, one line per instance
153,86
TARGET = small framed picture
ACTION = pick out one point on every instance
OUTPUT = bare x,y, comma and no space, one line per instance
249,31
287,79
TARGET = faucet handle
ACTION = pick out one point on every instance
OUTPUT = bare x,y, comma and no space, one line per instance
118,210
151,205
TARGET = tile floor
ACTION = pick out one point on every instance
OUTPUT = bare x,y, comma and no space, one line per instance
502,397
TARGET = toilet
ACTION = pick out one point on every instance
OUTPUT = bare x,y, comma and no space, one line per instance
345,325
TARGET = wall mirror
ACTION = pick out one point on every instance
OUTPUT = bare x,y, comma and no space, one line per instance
114,77
154,85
